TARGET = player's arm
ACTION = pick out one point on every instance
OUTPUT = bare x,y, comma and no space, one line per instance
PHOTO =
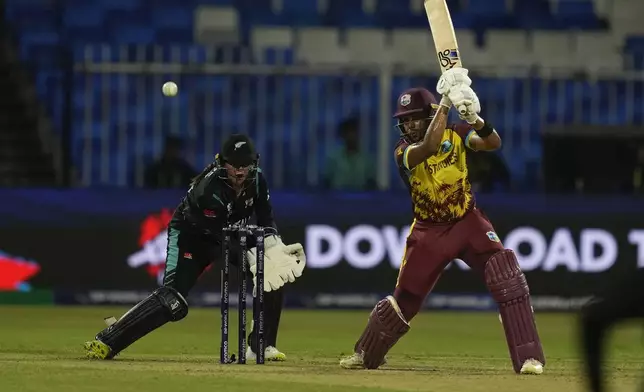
264,208
418,153
484,137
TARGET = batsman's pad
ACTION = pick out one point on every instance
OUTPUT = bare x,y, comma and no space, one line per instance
163,305
508,286
385,326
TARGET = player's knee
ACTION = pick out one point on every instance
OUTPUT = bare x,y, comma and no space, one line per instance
408,302
504,278
173,301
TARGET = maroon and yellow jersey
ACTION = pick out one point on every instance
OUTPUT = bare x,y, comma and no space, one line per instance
439,187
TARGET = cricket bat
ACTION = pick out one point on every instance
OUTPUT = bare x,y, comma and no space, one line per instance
440,23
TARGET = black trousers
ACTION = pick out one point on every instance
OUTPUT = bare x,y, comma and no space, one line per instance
622,300
190,253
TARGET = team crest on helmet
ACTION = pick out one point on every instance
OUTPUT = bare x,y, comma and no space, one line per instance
239,144
405,99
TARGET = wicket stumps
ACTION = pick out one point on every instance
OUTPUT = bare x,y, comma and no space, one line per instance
243,233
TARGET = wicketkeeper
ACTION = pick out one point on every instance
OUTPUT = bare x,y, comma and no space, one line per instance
230,190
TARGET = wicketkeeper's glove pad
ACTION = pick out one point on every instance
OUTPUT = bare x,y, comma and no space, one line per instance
282,263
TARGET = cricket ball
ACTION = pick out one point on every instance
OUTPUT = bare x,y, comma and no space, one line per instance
170,89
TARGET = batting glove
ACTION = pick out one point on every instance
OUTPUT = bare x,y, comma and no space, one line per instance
466,102
452,78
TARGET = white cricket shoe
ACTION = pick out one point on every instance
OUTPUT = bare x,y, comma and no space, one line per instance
532,366
356,361
270,354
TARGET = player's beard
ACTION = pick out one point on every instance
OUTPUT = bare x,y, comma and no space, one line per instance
415,133
415,136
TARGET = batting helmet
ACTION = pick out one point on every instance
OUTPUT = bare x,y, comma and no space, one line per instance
416,100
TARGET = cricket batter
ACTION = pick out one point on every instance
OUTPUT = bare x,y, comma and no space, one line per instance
230,190
447,225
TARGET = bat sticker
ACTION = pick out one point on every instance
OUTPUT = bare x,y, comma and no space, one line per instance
448,58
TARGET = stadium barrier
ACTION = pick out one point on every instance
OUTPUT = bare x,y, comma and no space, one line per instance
99,246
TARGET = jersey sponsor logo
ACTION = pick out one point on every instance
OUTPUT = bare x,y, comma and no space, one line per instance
209,214
248,203
492,236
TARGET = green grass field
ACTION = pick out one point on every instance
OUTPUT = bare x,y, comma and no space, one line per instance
40,350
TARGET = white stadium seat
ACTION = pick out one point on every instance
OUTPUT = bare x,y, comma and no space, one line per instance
413,46
216,25
508,48
597,51
552,49
263,38
320,46
368,46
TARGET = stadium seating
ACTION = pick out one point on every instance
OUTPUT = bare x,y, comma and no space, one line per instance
493,34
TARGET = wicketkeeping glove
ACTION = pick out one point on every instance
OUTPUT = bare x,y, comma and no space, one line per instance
282,263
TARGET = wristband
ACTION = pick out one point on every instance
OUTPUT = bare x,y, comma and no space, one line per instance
486,130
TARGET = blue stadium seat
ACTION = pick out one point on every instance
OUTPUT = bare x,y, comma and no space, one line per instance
534,14
173,17
576,8
348,13
32,19
219,2
279,56
118,4
88,35
634,51
577,14
257,12
174,36
134,34
88,16
301,13
489,14
487,8
398,14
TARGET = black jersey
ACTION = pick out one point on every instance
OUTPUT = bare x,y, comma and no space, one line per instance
211,204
